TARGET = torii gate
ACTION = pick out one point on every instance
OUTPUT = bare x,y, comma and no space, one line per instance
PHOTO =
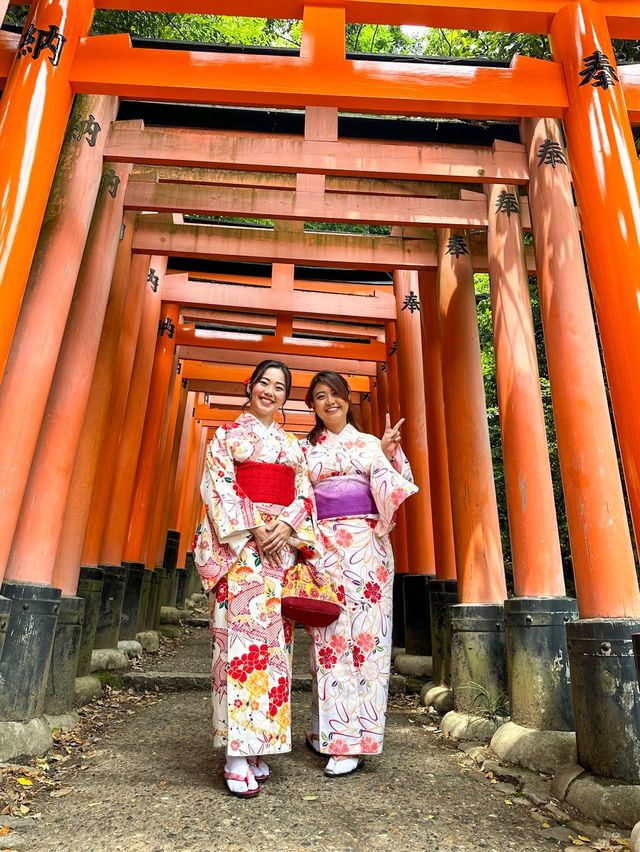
55,59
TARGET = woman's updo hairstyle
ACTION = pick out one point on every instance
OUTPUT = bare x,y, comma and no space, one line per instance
338,385
262,368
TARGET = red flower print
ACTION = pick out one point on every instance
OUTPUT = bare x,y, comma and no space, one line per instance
338,747
343,538
338,643
278,695
397,496
308,505
373,522
342,598
366,642
382,574
326,658
236,670
222,590
358,657
238,490
372,592
288,631
306,551
368,745
322,438
234,745
237,703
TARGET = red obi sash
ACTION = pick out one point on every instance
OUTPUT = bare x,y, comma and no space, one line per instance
267,483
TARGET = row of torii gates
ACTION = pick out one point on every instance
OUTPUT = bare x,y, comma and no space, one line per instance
128,327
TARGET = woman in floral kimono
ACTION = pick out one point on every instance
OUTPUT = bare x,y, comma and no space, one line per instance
359,482
258,503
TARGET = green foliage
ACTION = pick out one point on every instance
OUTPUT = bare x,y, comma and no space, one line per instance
485,702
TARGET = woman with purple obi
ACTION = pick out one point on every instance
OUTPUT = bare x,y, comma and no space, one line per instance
358,482
259,511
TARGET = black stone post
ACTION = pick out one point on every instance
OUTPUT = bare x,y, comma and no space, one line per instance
169,563
635,637
154,586
134,600
108,629
538,661
417,616
193,581
26,654
90,589
181,593
398,635
443,594
162,582
5,612
478,666
606,699
64,655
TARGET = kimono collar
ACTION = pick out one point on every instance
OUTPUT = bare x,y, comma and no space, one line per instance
251,422
348,432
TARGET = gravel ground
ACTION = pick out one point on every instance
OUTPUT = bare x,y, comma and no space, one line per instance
151,782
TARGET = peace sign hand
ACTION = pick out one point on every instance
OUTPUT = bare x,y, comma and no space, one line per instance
390,441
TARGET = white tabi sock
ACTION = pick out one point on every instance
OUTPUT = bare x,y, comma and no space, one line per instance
238,766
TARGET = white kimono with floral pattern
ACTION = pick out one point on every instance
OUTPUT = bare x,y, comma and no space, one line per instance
251,643
351,658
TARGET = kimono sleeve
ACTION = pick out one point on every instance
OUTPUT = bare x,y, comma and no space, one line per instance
389,489
301,513
230,512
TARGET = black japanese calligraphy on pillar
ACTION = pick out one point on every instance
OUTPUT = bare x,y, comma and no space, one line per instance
457,246
153,279
110,181
550,153
83,127
168,326
411,302
507,202
598,71
34,42
394,348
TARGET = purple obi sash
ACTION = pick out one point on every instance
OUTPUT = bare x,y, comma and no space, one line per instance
344,496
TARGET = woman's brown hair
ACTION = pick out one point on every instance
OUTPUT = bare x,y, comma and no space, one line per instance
338,385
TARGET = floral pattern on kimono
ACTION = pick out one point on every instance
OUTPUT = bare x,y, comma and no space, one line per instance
251,643
351,658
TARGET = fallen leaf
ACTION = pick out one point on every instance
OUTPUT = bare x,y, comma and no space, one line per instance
309,798
4,830
24,810
546,825
508,802
584,838
430,816
63,791
26,782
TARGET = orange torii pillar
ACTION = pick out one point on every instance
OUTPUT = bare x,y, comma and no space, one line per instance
535,618
187,483
150,454
34,108
418,508
142,275
477,643
606,180
35,544
187,427
377,425
68,574
26,383
115,528
192,501
365,412
443,591
399,534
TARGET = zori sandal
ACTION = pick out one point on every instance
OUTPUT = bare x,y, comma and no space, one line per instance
259,768
345,766
249,791
313,743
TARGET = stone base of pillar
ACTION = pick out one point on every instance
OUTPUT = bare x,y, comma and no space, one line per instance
478,665
468,726
64,656
135,600
153,622
113,585
606,700
598,799
538,663
398,611
149,616
417,618
440,697
26,654
181,587
90,589
442,595
87,688
539,751
5,612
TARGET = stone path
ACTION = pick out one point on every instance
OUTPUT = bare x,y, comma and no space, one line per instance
153,784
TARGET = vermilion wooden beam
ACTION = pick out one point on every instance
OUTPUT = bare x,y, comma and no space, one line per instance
109,65
306,248
189,336
206,412
330,207
504,161
338,287
532,16
294,362
201,371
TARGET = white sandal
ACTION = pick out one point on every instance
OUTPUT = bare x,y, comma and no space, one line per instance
259,769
